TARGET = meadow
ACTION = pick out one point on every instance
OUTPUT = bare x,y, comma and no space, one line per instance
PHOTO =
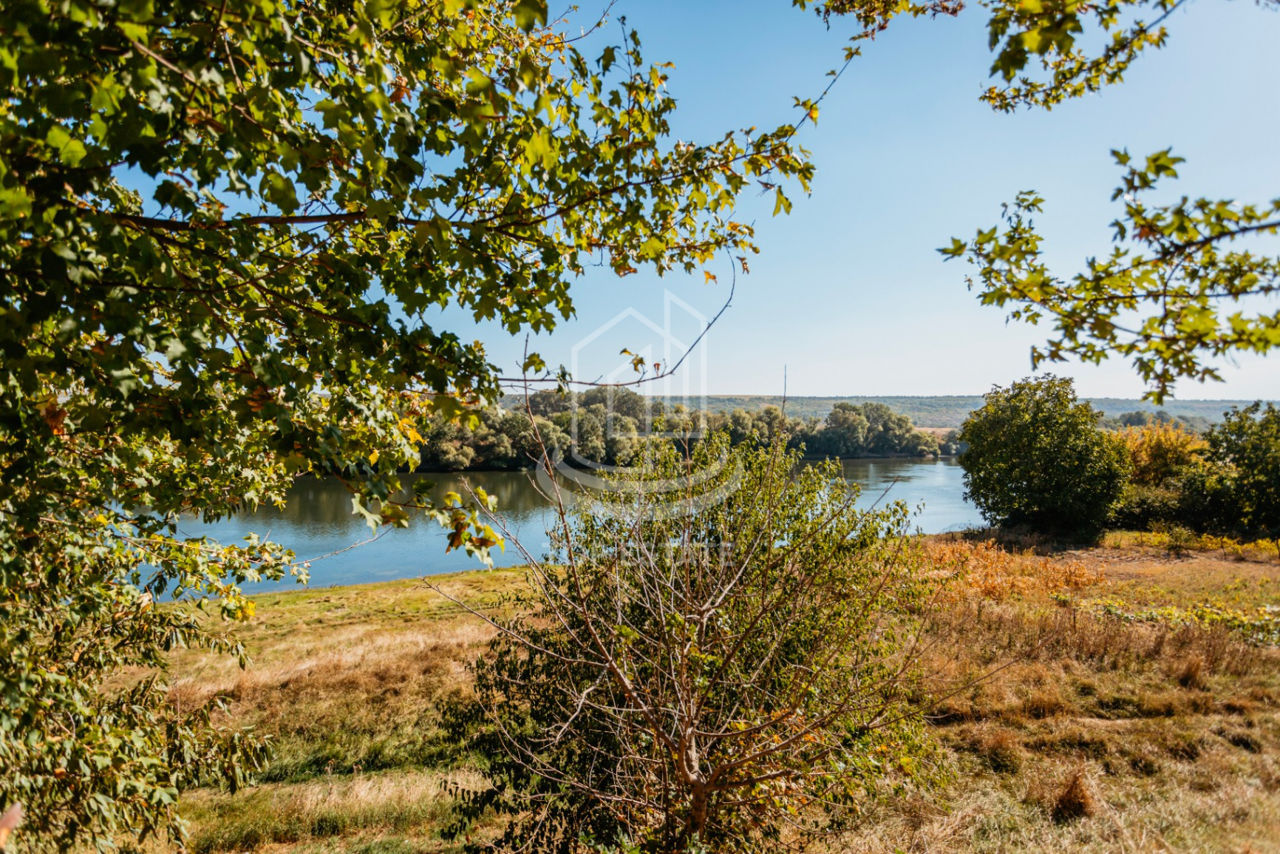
1118,698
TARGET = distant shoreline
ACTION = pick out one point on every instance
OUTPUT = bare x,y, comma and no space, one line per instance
944,411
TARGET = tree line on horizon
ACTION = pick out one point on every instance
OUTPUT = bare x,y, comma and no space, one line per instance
950,410
609,426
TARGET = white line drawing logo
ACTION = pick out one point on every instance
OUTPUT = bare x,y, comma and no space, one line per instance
684,392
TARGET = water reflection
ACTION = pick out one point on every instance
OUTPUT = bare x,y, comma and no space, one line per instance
316,522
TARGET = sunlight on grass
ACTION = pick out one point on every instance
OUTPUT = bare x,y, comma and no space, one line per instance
1173,726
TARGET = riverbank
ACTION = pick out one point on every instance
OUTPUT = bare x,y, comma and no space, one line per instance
1119,664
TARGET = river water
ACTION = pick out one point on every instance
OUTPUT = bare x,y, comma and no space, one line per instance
317,524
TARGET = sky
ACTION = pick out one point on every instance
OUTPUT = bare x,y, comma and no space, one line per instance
848,295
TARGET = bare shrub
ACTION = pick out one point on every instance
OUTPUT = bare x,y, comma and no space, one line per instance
727,675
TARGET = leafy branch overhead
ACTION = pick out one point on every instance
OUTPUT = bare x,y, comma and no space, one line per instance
1181,282
226,231
1188,281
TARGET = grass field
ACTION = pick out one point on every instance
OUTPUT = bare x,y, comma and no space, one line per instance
1115,705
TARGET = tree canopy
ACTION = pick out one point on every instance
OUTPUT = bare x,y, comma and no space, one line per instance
223,230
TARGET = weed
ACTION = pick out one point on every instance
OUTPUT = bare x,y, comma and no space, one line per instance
1000,752
1074,800
1191,674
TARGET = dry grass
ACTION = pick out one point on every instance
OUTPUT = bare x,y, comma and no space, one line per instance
986,570
1082,731
349,679
409,803
1164,737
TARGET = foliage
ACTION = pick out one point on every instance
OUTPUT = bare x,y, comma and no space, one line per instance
1192,423
730,675
1161,455
1143,508
1179,288
598,428
223,230
1176,266
1246,449
1057,35
1230,547
1260,625
951,410
1223,483
1037,457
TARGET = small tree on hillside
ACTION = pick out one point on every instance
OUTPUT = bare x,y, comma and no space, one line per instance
1037,457
703,675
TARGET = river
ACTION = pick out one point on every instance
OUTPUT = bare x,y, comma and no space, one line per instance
317,522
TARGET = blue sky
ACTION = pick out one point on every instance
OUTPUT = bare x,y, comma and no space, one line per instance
848,293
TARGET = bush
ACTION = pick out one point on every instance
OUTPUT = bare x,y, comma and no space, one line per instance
699,667
1245,449
1036,457
1145,508
1160,453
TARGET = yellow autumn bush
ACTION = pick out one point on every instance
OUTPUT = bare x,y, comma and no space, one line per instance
1158,452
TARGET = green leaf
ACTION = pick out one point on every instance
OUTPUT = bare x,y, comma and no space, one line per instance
781,203
530,14
70,150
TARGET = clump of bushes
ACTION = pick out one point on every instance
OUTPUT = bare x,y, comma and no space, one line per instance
1227,482
1039,459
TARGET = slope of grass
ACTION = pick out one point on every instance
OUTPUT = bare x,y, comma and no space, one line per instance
1072,728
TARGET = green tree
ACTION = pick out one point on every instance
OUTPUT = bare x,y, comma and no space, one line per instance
844,432
888,432
1037,457
703,675
223,229
1245,447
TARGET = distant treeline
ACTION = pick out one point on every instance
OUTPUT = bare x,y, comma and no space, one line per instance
608,426
1159,418
949,411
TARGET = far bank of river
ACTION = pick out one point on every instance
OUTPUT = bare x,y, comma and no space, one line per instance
317,520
